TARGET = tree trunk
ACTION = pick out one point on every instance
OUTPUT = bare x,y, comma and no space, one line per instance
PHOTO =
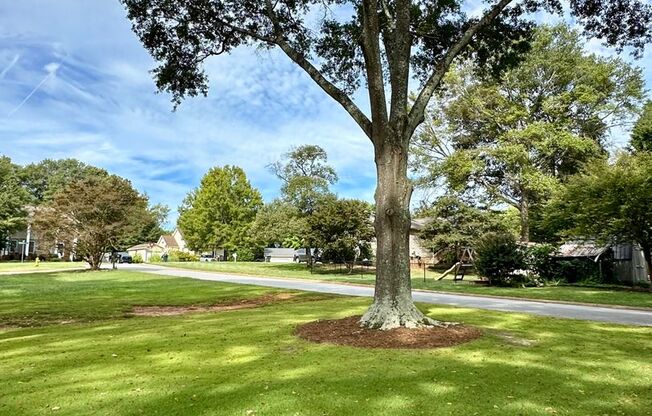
393,306
94,261
524,210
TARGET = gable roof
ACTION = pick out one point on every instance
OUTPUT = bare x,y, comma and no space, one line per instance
169,240
145,246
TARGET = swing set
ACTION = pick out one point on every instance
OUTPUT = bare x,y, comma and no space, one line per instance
465,262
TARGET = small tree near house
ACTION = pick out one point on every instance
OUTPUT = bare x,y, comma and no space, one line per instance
382,45
90,217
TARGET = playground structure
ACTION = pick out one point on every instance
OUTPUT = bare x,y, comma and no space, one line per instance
465,262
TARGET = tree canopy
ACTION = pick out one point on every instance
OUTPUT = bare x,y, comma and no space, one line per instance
455,224
279,223
220,212
306,176
44,179
13,199
609,202
516,138
342,229
90,217
641,140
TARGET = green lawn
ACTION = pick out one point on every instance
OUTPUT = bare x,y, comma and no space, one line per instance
607,295
30,266
248,362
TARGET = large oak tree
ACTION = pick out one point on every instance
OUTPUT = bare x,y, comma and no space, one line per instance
382,46
514,140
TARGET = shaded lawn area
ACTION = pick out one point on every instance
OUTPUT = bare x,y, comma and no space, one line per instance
30,266
84,296
248,362
607,295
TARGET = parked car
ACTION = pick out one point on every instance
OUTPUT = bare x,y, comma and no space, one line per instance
125,258
207,257
301,257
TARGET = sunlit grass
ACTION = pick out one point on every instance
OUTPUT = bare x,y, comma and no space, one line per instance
597,295
31,266
248,362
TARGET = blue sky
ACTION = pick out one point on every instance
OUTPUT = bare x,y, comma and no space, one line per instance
74,82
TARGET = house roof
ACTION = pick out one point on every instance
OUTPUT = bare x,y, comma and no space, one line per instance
580,249
419,224
145,246
169,240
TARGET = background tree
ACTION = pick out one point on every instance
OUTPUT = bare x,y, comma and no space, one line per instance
456,224
641,140
342,228
279,223
516,138
89,217
13,199
220,212
306,176
380,44
44,179
150,227
610,202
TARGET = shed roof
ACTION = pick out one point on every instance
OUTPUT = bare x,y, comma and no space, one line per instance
580,249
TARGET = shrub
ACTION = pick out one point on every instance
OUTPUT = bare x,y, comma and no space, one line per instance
137,258
540,262
155,258
498,256
246,254
182,256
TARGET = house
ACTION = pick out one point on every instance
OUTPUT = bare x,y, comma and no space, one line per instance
145,251
14,245
417,249
174,241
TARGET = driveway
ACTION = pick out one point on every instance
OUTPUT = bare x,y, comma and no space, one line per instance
557,310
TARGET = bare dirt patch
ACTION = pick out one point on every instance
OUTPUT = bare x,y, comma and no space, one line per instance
227,306
347,331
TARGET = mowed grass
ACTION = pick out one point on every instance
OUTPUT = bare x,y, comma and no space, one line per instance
248,362
607,295
30,266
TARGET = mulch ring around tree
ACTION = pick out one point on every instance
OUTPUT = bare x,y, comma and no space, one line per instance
227,306
348,331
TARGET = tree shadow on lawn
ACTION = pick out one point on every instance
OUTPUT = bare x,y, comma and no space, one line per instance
65,297
249,362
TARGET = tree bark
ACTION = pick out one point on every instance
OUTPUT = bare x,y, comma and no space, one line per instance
392,306
524,210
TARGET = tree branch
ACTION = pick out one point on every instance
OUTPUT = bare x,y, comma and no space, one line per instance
373,64
331,89
418,109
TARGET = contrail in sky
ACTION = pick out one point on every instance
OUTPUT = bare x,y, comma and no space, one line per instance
52,71
11,65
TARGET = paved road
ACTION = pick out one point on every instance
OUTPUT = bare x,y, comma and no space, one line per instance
558,310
